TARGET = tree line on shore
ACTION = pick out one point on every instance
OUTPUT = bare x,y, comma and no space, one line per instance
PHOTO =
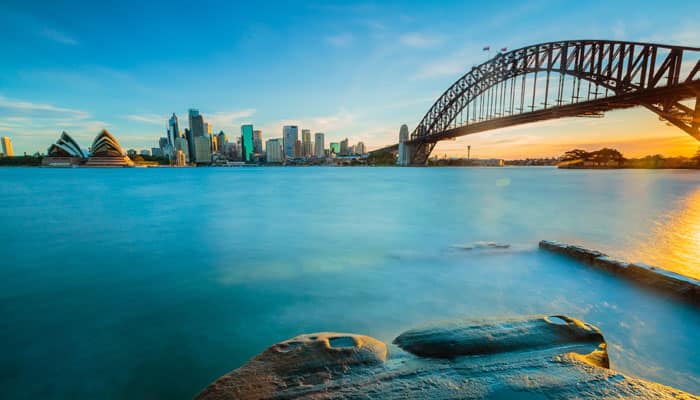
612,158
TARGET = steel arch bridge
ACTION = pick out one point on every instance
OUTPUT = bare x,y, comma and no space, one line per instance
562,79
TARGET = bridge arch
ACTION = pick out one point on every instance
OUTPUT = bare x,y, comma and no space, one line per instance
613,74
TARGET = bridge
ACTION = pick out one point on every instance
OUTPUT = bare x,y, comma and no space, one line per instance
576,78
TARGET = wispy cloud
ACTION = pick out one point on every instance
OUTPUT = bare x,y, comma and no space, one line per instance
340,40
58,37
224,119
153,119
29,107
420,40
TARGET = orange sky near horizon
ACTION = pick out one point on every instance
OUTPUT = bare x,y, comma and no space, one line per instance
635,132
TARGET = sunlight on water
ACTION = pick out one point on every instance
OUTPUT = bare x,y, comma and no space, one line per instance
675,240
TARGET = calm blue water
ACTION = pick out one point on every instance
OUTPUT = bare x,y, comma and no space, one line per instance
148,283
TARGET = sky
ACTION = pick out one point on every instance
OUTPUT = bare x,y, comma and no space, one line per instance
355,70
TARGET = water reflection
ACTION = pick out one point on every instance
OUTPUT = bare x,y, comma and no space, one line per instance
674,241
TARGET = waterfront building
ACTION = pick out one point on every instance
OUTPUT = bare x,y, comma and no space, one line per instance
64,153
173,130
351,150
131,152
334,148
221,141
360,148
297,149
344,147
403,158
214,140
180,159
157,152
193,112
247,142
274,152
290,135
202,146
182,145
306,144
7,147
145,152
319,143
106,152
189,140
257,142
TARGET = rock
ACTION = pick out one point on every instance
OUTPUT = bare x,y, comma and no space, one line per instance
535,357
481,246
650,276
450,340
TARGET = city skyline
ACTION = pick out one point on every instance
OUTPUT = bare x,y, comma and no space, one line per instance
357,70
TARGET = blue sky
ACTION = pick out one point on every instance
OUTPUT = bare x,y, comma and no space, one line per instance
356,70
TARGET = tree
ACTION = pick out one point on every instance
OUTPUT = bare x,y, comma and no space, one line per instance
697,157
576,154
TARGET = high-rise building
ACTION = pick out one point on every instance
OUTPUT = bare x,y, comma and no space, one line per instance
360,148
221,141
202,146
257,142
182,146
297,149
173,130
157,152
180,159
319,145
190,115
190,145
198,126
403,158
7,147
273,151
334,148
247,142
290,134
344,147
306,144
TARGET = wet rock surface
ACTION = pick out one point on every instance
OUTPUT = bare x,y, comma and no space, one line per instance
647,275
535,357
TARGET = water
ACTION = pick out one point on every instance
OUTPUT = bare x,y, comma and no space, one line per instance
151,283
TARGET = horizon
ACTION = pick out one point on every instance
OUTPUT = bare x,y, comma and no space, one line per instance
356,70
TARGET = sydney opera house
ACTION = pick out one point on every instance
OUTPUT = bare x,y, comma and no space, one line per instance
105,152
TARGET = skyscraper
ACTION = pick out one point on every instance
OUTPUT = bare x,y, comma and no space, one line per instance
202,145
173,130
257,142
191,114
247,142
344,147
297,149
403,150
273,151
306,145
360,148
7,147
290,134
221,141
319,145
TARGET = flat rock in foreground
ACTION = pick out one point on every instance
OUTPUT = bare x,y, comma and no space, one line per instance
531,358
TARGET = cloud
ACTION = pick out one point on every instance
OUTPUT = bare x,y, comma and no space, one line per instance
420,40
340,40
13,105
153,119
220,120
32,124
58,37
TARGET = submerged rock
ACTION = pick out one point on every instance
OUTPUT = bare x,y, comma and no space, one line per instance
647,275
533,357
481,246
